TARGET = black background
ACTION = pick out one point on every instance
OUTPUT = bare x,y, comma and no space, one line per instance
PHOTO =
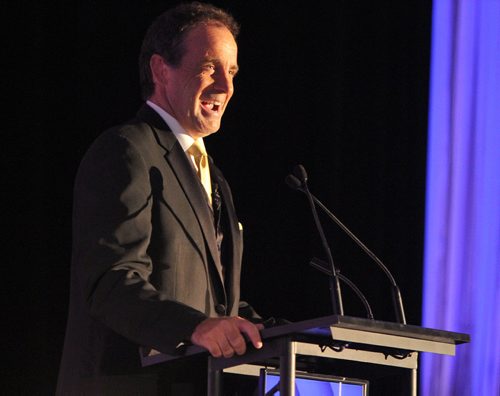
341,89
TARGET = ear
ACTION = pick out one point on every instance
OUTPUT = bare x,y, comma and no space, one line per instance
159,70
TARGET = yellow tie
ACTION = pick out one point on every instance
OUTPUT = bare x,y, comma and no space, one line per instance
201,160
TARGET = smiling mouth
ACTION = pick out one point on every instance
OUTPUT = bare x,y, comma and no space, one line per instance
211,106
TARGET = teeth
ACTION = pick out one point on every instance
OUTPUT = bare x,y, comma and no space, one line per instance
210,105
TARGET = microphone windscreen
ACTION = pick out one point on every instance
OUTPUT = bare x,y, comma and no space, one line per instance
293,182
300,172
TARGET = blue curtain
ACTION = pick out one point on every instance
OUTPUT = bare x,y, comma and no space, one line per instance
462,241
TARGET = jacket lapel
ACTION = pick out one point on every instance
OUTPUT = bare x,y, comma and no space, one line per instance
196,196
188,180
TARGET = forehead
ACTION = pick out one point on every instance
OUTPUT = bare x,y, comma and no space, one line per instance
211,40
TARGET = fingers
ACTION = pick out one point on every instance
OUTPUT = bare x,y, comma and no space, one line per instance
224,336
236,343
252,332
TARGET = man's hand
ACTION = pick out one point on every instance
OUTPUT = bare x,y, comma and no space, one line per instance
224,336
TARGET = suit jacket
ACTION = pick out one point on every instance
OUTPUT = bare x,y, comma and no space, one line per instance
146,269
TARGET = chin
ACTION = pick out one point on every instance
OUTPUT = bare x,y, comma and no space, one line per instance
209,130
201,133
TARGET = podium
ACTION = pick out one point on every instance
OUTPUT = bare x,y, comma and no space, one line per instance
308,343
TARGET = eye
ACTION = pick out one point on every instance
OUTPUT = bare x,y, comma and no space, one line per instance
209,67
233,70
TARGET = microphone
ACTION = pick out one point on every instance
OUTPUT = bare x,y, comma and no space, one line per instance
299,182
396,292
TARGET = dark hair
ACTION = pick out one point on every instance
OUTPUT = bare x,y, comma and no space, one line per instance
165,36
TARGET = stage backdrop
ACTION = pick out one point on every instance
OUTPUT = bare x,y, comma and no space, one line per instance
462,243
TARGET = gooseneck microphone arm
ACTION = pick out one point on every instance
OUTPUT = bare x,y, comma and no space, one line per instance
396,293
299,182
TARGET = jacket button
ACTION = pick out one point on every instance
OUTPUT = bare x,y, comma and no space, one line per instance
220,309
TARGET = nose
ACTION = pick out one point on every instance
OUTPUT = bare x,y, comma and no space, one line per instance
223,81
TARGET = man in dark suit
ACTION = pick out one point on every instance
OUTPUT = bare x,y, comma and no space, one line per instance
157,250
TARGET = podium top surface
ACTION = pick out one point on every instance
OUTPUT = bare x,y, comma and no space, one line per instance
322,327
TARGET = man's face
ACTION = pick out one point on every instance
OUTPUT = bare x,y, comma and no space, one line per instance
197,91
